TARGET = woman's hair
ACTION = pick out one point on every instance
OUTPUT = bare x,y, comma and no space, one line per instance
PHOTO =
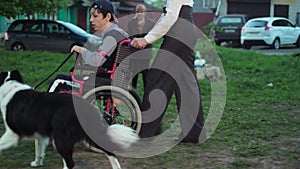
141,6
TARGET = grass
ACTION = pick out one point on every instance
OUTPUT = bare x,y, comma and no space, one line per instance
260,126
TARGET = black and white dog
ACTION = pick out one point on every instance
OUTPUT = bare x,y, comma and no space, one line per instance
44,116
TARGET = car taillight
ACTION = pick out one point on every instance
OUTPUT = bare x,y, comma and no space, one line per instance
6,36
267,28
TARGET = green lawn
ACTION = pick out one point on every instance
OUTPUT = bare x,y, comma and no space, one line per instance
260,126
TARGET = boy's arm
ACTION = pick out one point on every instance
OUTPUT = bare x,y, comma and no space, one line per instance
98,57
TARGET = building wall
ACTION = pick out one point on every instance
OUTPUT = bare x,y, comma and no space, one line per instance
198,7
294,8
203,19
253,8
202,15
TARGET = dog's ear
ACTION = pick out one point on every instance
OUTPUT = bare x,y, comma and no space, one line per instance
16,75
3,76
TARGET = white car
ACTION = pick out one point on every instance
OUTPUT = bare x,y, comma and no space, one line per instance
271,31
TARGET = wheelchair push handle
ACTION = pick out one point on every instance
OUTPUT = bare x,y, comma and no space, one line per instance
128,41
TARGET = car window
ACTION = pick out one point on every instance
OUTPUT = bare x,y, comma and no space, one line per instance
276,23
73,28
286,23
289,24
283,23
33,27
51,28
256,24
17,27
63,30
56,28
230,20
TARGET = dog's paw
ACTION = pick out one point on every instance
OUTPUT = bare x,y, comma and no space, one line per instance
36,164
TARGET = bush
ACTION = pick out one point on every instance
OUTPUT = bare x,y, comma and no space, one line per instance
212,26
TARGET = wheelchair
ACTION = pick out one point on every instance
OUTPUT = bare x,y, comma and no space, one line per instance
109,93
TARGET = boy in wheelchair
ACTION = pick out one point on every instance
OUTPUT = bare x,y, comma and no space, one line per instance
102,20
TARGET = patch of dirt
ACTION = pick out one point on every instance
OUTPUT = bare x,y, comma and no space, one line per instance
183,157
90,160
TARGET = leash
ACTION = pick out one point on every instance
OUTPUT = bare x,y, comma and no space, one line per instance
67,58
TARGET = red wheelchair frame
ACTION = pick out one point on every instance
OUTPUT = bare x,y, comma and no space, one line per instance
117,103
123,50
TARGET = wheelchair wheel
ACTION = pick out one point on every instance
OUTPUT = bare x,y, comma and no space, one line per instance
116,106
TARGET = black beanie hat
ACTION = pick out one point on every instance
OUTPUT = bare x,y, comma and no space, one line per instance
104,5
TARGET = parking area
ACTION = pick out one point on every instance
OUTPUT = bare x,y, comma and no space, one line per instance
286,50
282,51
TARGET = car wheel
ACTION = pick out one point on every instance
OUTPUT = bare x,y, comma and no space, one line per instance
18,47
276,44
298,42
218,43
246,45
238,44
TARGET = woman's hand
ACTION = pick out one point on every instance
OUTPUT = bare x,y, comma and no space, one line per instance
77,49
139,43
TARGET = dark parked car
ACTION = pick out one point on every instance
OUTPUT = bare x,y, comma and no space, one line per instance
50,35
229,28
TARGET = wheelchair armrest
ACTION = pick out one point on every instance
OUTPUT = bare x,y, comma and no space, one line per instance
87,67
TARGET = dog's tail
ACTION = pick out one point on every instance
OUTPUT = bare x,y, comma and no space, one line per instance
122,135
